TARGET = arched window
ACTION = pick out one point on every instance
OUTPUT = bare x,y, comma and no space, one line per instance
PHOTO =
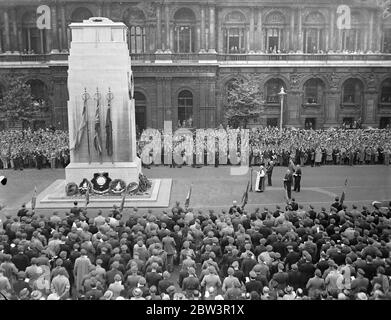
313,33
80,14
272,88
185,106
234,33
385,95
313,91
141,112
135,19
352,40
184,31
274,32
33,39
352,92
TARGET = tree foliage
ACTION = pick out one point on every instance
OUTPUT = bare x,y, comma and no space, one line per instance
17,102
244,101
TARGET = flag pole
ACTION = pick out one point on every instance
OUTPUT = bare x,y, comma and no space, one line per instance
85,99
109,144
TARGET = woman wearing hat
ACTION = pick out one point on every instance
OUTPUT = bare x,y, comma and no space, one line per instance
137,294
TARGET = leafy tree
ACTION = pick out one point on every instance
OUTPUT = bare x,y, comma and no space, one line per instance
17,102
244,101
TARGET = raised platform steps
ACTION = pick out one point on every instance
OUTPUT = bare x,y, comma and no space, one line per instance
53,197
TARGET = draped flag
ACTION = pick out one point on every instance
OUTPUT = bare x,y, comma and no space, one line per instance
97,136
187,201
343,193
245,196
82,126
121,207
109,133
34,199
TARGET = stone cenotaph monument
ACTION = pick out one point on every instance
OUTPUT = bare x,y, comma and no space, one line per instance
102,129
100,69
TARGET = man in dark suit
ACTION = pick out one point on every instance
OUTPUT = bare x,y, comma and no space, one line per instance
288,179
269,172
297,176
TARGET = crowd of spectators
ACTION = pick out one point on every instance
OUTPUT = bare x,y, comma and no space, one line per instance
50,148
41,148
291,253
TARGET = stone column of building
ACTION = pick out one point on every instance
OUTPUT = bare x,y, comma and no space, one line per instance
203,36
331,107
220,46
260,45
379,30
16,46
7,43
54,21
158,27
370,102
167,24
212,28
332,40
370,30
252,30
64,27
292,105
292,30
300,31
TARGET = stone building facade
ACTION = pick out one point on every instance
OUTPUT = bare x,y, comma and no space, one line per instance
185,54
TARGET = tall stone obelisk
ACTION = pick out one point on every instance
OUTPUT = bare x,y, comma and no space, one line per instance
99,62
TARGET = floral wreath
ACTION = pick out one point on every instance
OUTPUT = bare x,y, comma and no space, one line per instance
132,188
82,188
71,189
117,186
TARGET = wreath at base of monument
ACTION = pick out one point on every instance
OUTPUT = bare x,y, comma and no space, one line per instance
132,188
71,189
117,186
144,184
84,185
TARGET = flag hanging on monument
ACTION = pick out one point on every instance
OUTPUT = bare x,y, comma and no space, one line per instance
187,201
82,127
97,136
342,199
109,133
34,199
245,196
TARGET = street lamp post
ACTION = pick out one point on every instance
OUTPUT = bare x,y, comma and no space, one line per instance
282,93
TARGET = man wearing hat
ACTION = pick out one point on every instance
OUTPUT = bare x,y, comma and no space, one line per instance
253,284
191,282
235,208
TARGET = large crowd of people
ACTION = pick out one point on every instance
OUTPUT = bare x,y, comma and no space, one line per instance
50,148
291,253
43,148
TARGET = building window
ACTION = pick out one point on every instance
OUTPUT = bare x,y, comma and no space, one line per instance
234,33
313,91
185,106
352,92
38,92
137,39
134,18
387,41
385,95
272,88
314,25
33,39
310,123
184,35
274,33
352,40
81,14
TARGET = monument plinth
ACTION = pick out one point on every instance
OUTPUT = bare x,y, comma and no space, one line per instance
99,78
